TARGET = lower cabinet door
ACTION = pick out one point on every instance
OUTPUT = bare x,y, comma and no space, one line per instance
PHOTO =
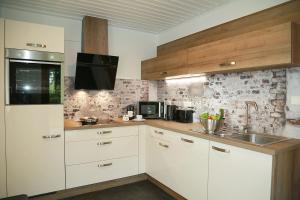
190,167
95,172
34,149
159,160
238,174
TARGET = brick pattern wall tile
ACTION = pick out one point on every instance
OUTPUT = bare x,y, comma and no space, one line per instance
103,104
230,91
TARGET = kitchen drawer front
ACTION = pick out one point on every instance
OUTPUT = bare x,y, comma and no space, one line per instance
95,172
90,151
23,35
161,134
119,131
102,133
82,152
119,147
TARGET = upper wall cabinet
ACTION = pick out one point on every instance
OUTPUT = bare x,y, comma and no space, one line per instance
23,35
164,66
276,46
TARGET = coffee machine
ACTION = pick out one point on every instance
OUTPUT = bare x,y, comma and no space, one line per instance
131,111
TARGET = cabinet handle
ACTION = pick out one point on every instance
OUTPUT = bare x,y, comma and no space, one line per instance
37,45
99,132
163,73
51,136
228,64
105,165
106,132
104,143
159,132
187,140
221,149
163,145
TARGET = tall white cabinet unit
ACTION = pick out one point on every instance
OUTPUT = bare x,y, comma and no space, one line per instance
34,132
35,149
2,124
236,173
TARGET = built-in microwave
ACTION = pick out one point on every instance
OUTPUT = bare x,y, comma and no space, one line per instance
33,77
152,109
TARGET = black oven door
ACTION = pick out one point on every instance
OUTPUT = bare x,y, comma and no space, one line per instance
34,82
149,110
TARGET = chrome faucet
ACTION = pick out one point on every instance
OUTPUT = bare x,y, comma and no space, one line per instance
248,106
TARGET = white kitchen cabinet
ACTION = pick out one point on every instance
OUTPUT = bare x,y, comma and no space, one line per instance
34,149
97,155
95,172
190,167
178,161
236,174
24,35
2,123
142,148
161,155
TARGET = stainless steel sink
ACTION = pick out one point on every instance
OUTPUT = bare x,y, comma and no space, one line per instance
258,139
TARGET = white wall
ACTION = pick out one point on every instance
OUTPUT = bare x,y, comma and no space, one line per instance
131,46
220,15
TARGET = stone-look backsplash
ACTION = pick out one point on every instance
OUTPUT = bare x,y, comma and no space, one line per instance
103,104
230,91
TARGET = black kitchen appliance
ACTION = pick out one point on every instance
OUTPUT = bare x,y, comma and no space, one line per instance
152,109
171,112
33,77
95,72
184,116
132,108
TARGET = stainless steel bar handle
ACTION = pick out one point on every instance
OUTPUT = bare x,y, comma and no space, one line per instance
163,145
105,165
106,132
221,149
187,140
105,143
51,136
159,132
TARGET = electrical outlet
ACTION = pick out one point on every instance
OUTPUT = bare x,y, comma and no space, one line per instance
295,100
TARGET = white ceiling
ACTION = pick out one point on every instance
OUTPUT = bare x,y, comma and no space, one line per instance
151,16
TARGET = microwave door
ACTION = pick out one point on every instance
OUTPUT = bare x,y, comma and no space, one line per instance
33,82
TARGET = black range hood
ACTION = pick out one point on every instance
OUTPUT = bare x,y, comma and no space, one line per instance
95,72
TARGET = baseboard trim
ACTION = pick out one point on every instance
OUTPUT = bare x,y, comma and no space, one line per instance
106,185
91,188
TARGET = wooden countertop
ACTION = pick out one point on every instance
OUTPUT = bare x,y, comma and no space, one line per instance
187,128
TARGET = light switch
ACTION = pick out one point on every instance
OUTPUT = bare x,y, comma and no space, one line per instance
295,100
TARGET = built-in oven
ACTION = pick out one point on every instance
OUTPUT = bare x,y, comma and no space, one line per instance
152,109
33,77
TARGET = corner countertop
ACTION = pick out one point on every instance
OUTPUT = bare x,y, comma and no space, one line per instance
187,128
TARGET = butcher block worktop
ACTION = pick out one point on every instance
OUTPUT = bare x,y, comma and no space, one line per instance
189,129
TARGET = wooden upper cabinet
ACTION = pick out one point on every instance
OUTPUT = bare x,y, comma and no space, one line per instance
164,66
266,48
